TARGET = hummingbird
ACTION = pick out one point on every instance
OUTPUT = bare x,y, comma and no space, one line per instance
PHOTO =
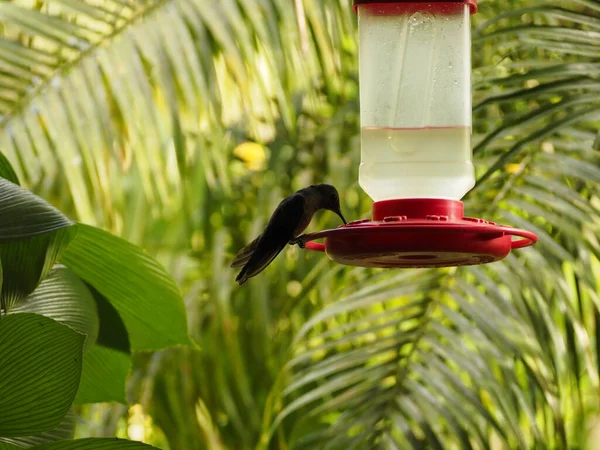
289,220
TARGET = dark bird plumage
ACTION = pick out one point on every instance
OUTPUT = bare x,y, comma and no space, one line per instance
288,221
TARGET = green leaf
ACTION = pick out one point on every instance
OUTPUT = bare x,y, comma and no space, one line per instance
39,374
7,171
106,366
95,444
24,214
32,235
138,287
62,296
7,446
104,376
26,263
66,430
113,333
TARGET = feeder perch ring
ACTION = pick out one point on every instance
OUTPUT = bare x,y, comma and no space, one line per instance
434,241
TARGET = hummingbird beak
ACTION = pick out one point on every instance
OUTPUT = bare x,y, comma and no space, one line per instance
339,213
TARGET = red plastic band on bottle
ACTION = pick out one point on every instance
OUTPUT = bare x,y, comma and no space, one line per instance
418,208
392,7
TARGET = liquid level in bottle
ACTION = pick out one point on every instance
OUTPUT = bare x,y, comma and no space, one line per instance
416,162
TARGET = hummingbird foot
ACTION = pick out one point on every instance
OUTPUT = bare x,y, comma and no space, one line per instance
297,241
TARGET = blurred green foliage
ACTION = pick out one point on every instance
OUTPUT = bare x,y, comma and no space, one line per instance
151,119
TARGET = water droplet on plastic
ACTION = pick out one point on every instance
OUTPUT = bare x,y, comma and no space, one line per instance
421,20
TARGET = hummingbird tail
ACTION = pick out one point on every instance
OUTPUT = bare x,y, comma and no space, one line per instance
241,277
257,263
244,255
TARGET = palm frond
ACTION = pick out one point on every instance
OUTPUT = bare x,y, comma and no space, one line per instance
412,364
144,73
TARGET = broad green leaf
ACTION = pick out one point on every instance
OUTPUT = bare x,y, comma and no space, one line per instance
40,372
32,235
66,430
24,215
104,375
112,333
62,296
137,286
95,444
7,171
26,263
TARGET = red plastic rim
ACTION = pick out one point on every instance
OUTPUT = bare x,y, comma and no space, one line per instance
419,233
410,6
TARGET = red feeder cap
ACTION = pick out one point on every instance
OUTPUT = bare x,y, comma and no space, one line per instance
419,233
396,6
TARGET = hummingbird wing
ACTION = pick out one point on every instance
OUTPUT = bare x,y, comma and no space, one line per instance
277,234
242,257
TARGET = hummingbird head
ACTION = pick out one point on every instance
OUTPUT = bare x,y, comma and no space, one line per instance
329,199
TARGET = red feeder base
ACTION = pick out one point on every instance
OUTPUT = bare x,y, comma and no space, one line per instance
419,233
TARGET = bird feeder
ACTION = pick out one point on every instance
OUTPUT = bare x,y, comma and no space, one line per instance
416,158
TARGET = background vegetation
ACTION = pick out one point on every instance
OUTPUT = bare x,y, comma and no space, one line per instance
179,125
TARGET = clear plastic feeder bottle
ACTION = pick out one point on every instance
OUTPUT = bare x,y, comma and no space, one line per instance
415,99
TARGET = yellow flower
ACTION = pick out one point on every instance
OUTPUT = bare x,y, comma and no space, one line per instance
513,168
253,154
